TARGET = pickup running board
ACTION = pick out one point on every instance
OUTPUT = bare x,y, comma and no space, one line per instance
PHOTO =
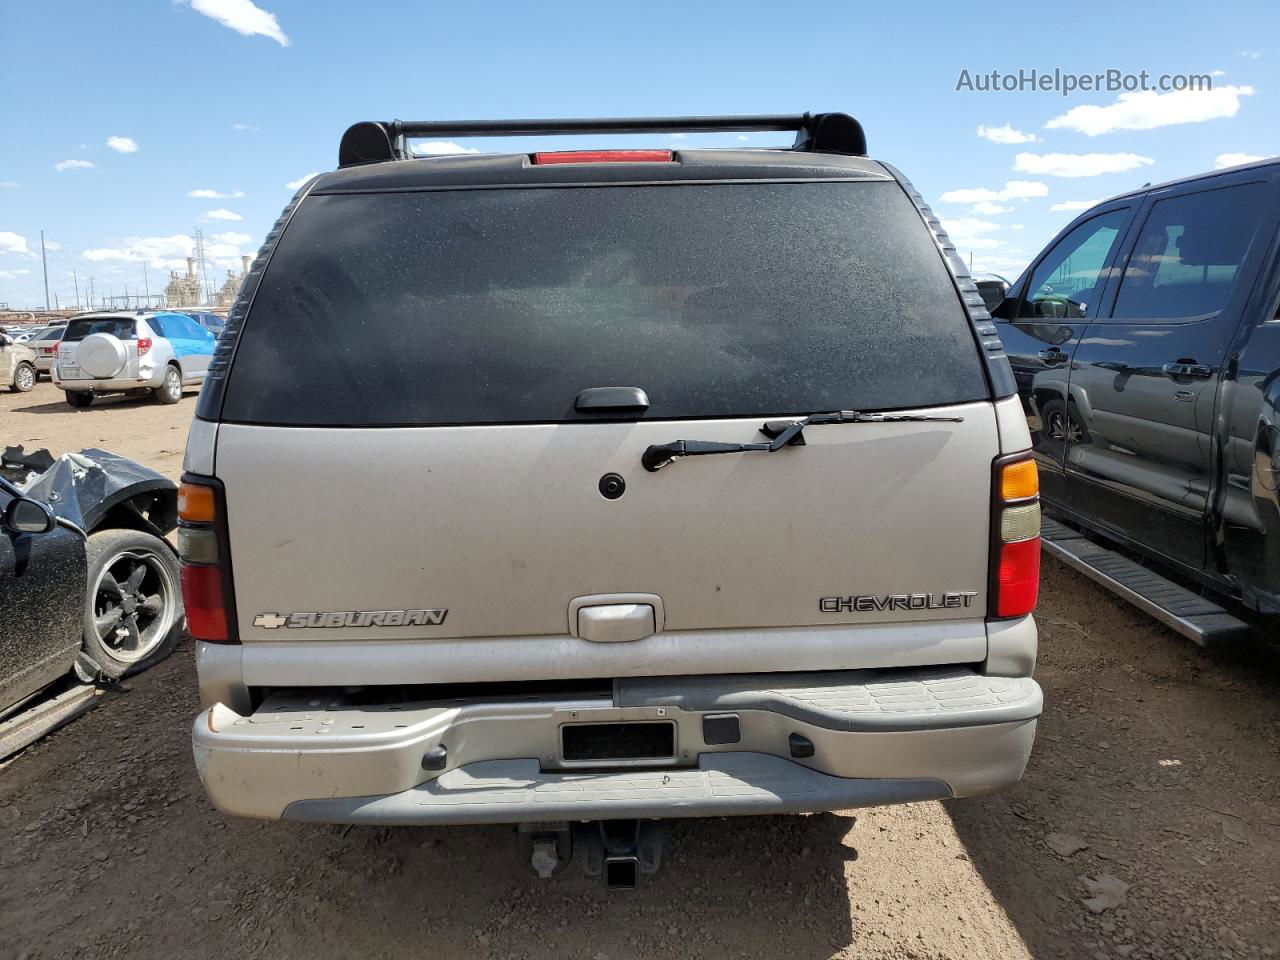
1178,608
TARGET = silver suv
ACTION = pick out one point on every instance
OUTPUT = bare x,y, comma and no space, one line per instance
695,483
158,352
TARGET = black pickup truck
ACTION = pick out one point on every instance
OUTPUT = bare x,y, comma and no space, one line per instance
1145,340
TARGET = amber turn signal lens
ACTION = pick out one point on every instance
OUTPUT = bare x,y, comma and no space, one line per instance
195,503
1019,480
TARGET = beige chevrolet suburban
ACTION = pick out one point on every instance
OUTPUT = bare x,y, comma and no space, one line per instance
605,486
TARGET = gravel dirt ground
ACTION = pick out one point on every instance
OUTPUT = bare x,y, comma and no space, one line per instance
1153,794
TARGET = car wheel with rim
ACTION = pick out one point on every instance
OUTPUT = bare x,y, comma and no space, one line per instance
24,378
133,613
170,391
1061,424
79,398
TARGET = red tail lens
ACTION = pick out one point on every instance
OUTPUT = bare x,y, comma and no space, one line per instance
144,344
604,156
1018,578
206,568
202,596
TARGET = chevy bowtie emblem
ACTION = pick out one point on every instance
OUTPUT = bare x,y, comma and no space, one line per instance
351,618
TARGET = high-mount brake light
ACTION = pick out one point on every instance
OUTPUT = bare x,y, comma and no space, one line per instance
206,570
144,346
1015,537
603,156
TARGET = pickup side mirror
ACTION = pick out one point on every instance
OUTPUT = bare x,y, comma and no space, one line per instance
24,515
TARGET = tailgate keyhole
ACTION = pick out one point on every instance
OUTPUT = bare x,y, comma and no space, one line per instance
612,486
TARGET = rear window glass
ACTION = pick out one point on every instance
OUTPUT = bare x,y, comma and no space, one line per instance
499,306
121,328
1187,256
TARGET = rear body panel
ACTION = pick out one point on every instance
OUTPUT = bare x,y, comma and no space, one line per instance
504,527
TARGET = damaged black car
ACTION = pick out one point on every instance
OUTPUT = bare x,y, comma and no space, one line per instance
88,584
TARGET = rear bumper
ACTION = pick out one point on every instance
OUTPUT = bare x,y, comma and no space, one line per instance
878,737
147,380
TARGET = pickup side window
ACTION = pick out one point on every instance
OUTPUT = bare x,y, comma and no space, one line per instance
1067,282
1189,253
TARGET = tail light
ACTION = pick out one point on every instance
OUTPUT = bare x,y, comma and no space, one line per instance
207,590
1015,537
604,156
144,345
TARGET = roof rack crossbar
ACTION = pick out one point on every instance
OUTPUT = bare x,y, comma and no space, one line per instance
375,142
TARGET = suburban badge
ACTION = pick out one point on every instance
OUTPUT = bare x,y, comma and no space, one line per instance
351,618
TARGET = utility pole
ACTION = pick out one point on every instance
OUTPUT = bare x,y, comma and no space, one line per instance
146,283
91,293
76,281
44,263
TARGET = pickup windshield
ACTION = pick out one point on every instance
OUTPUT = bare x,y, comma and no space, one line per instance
502,305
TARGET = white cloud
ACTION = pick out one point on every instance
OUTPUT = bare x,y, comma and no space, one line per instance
1066,205
1235,159
1251,54
220,214
13,274
987,208
53,246
1077,164
204,193
243,126
161,252
440,148
1148,110
1012,190
295,184
122,144
8,184
743,137
1217,73
1005,134
231,237
242,16
73,165
1008,264
969,233
12,242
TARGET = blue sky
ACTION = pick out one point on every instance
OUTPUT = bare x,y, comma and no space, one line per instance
114,113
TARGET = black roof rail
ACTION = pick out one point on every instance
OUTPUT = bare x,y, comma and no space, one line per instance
378,141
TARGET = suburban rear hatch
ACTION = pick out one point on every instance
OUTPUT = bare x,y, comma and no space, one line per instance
411,447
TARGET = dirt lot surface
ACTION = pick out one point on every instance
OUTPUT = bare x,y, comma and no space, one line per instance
1154,787
135,427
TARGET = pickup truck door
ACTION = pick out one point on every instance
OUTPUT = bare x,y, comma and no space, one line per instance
1041,323
1146,374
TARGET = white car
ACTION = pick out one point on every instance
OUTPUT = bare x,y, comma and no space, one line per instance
608,486
156,351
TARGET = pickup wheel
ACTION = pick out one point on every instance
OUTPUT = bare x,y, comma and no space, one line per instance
24,378
1060,422
79,398
133,611
170,391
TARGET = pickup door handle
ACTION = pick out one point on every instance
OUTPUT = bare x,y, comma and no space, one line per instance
1188,368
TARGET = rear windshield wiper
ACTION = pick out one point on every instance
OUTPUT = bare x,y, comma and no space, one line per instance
782,433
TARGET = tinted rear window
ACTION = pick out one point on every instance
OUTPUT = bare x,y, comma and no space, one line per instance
120,327
492,306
